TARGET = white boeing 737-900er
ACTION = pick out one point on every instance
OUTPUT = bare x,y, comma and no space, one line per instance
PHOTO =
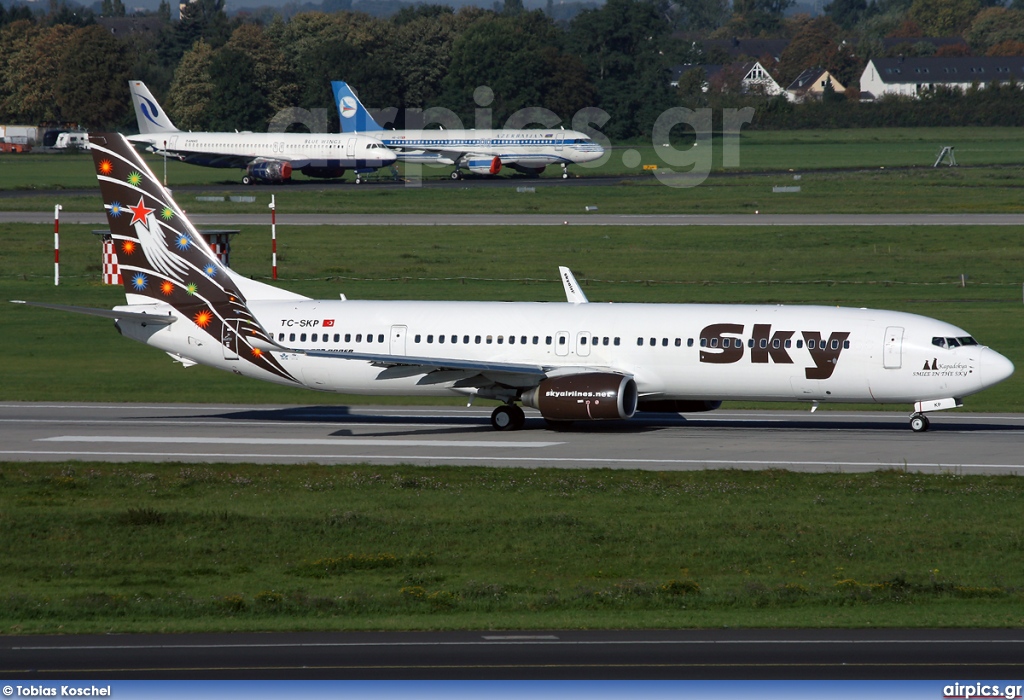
572,361
270,157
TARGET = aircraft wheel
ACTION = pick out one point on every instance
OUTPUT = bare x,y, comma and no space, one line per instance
359,181
919,423
505,417
246,180
456,175
565,176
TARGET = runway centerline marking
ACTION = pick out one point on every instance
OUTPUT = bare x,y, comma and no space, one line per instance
333,442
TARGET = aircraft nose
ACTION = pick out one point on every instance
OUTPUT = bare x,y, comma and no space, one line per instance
994,367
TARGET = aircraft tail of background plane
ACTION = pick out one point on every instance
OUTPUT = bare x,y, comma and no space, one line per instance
151,117
351,112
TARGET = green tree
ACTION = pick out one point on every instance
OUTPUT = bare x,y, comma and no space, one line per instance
625,47
192,88
31,58
758,17
995,25
271,70
818,45
238,103
91,86
944,17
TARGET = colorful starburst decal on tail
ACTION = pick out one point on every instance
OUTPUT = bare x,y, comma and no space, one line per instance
135,178
106,167
128,247
210,270
167,288
139,281
167,213
191,288
202,318
116,209
183,241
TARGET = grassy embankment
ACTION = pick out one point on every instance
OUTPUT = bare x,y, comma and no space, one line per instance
144,547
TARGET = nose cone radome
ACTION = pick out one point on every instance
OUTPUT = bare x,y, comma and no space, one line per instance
994,367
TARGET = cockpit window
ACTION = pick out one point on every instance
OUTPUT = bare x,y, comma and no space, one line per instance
953,342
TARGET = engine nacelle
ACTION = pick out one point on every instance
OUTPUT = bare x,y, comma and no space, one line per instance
584,397
484,166
269,170
671,406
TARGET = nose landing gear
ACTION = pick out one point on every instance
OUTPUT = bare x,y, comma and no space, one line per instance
919,423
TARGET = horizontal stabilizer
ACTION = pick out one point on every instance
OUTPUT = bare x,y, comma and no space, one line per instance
141,316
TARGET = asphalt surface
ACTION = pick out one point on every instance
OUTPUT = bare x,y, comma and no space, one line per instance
825,441
592,219
968,655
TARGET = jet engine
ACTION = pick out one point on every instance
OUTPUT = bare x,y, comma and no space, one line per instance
671,406
484,166
592,396
267,171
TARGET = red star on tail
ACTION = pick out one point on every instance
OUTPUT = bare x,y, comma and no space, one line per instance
140,211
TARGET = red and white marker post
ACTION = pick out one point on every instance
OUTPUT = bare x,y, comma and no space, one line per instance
273,237
56,244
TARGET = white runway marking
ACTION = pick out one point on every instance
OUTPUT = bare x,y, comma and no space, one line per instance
334,442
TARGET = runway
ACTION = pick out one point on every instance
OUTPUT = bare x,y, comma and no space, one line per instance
967,655
826,441
98,218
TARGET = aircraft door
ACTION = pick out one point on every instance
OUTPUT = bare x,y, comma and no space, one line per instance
583,343
172,143
350,149
398,334
892,353
559,141
562,343
229,340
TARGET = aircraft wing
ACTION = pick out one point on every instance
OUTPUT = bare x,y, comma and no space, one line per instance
437,370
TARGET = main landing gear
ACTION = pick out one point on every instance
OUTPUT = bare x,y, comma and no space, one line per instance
456,174
919,423
565,171
508,417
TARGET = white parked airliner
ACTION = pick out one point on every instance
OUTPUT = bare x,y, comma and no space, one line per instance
480,151
572,361
269,157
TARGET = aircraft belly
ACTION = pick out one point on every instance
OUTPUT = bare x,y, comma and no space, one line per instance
358,377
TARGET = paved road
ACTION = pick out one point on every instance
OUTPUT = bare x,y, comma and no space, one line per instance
593,219
822,442
964,655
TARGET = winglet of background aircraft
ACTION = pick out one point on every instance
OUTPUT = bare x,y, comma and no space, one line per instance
353,115
573,293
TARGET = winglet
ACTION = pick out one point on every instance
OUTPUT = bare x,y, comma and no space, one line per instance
573,293
351,112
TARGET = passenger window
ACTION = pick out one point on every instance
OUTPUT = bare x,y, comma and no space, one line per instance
617,341
477,340
337,337
750,342
689,342
302,338
280,337
583,340
490,339
664,342
764,343
511,340
653,342
789,343
417,338
369,337
726,342
714,342
846,345
776,344
465,339
501,339
679,342
605,340
835,344
639,342
313,338
561,340
522,340
440,339
430,338
703,342
536,339
799,344
380,337
810,344
291,337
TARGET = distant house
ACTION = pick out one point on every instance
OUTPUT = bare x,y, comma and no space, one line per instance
912,76
753,77
810,84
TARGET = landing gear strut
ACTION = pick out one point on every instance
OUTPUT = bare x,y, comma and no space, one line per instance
508,417
565,171
919,423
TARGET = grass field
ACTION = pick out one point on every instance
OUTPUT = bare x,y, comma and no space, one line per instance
159,547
